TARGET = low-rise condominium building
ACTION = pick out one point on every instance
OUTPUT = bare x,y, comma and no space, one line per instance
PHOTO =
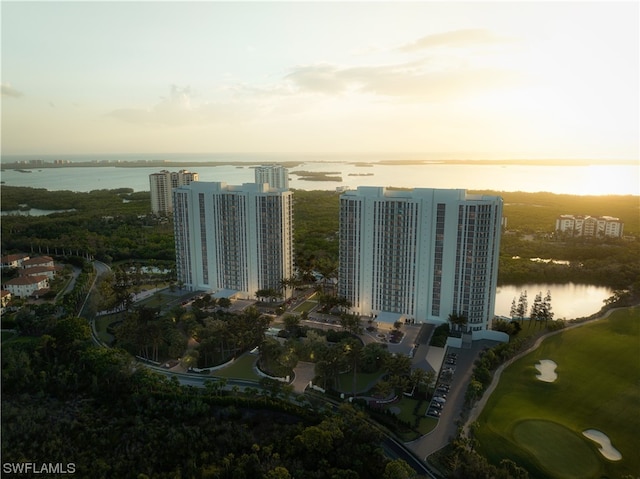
590,226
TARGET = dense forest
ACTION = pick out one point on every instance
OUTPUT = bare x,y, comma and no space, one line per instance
67,401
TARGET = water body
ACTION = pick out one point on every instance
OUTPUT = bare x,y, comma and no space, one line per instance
32,212
568,301
585,180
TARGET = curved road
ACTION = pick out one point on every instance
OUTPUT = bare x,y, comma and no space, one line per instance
392,447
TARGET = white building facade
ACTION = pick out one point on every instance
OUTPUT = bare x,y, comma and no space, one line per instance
162,185
25,286
235,239
421,254
590,226
275,175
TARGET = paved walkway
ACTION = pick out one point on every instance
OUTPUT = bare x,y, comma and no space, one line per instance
479,406
304,372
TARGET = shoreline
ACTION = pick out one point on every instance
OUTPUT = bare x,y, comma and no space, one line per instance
31,164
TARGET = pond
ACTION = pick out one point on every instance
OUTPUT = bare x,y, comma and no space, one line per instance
568,301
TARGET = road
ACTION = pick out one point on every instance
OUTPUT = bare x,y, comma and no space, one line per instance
447,429
414,453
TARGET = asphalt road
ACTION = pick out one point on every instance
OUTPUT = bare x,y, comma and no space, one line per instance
447,428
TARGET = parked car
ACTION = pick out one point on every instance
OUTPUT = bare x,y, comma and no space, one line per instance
439,399
433,412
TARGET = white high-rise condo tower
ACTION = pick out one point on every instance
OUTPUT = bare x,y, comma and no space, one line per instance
277,176
162,184
234,240
420,255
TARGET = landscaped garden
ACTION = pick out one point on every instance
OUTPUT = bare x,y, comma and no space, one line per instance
540,423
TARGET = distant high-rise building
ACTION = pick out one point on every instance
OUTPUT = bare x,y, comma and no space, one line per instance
590,226
277,176
233,239
420,254
162,184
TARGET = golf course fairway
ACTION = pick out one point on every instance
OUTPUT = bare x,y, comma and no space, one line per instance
540,424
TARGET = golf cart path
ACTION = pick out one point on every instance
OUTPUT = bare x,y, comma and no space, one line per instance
479,406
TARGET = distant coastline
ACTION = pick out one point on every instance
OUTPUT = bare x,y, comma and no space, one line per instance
33,163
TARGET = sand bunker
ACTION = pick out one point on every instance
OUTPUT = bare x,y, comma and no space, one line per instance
547,370
606,448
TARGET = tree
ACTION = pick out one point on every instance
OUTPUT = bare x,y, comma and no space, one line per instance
536,308
545,309
330,365
292,324
458,320
353,352
514,309
351,323
373,356
521,310
398,469
421,379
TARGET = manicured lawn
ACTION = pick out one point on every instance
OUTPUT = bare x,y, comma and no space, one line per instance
364,382
102,323
540,424
409,414
241,369
306,306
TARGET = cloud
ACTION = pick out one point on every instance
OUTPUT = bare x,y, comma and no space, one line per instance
8,90
417,80
178,109
457,38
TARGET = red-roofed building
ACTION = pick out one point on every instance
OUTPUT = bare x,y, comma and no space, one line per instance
5,297
25,286
14,260
38,261
48,271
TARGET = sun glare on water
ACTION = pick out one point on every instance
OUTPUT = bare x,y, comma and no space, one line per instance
599,179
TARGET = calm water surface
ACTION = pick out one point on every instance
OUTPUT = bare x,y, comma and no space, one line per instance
591,180
568,301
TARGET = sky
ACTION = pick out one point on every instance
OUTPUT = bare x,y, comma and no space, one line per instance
466,80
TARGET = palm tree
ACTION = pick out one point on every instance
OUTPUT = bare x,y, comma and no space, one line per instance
421,378
353,352
458,320
285,283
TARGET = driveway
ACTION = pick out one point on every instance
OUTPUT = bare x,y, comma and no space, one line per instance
304,372
447,428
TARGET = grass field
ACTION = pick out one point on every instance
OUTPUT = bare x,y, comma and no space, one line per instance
102,323
364,381
539,424
242,368
306,306
407,413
